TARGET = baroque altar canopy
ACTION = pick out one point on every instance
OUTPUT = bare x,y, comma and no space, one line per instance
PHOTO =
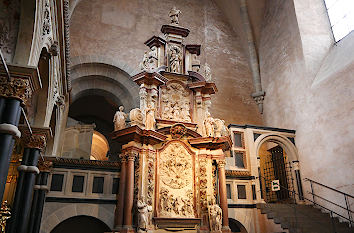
177,145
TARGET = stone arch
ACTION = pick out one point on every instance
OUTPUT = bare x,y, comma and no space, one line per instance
81,223
243,219
30,40
236,224
76,209
287,146
92,59
106,77
283,141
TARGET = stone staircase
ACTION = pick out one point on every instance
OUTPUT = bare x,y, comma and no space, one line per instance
303,219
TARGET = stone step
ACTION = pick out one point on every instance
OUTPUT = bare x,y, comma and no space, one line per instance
303,219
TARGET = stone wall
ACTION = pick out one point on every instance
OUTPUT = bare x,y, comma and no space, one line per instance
117,30
309,86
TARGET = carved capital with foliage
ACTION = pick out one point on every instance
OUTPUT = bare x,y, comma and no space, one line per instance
44,166
17,88
34,141
221,163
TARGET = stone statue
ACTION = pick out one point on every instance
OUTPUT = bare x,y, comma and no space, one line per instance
209,123
215,216
175,59
119,119
136,117
195,63
174,14
220,128
144,65
207,72
149,60
143,98
143,219
150,118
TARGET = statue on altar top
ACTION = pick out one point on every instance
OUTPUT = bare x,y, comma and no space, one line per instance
174,14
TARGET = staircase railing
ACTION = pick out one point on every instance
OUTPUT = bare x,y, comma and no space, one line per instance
346,198
331,212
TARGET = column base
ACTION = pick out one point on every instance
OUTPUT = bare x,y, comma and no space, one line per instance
226,229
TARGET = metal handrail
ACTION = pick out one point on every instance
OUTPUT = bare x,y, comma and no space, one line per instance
329,201
316,204
307,179
347,206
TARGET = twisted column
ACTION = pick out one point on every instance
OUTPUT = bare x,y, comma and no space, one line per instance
129,191
222,193
118,220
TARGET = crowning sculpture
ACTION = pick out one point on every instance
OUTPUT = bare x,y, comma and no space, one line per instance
173,145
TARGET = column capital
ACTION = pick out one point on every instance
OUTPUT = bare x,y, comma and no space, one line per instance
34,141
221,163
123,158
131,155
17,88
44,166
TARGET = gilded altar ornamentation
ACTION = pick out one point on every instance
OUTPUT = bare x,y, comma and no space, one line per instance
5,214
178,131
175,103
176,167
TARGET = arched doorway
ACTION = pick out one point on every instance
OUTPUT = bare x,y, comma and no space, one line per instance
236,226
277,155
81,224
274,167
95,106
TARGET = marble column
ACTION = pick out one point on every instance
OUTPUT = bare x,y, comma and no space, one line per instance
35,222
35,143
18,194
129,191
13,93
118,221
223,195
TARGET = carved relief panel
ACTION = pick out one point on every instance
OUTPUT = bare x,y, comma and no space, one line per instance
175,102
176,182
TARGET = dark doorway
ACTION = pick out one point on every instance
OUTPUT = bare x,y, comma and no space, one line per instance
276,167
236,226
81,224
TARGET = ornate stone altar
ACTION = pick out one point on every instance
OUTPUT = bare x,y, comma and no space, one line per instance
173,148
